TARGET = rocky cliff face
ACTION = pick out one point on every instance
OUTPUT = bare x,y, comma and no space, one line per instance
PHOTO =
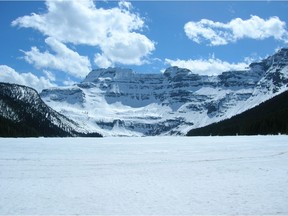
118,101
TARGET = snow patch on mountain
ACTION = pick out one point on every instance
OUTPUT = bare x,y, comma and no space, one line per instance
121,102
23,105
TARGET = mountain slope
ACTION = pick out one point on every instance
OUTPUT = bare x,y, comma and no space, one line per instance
121,102
24,114
270,117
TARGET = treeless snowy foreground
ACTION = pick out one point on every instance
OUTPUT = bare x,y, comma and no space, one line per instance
151,175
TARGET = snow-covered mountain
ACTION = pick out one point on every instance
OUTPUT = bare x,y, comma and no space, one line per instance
25,114
121,102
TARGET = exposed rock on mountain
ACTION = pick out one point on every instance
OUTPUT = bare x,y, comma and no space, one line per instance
117,101
24,114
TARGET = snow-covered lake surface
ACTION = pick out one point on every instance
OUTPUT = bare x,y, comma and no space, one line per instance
151,175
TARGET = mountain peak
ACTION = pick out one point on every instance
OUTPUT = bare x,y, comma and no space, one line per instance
24,113
282,51
174,71
117,101
279,60
109,73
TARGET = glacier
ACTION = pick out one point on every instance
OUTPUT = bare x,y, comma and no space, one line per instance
121,102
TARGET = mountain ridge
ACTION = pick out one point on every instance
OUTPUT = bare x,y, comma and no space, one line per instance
121,102
24,114
269,117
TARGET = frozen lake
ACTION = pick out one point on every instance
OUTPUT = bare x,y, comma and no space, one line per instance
151,175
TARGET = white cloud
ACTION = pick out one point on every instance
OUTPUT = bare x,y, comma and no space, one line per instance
9,75
50,75
125,5
68,82
217,33
80,22
64,59
102,61
126,50
211,66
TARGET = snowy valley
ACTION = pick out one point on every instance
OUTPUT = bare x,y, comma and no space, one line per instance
144,176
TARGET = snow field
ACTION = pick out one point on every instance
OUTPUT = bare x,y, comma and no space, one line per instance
144,176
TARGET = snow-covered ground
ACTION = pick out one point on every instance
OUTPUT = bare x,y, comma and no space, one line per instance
151,175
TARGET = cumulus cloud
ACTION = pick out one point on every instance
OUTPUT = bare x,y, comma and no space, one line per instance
113,30
9,75
68,82
102,61
211,66
126,50
125,5
50,75
217,33
64,59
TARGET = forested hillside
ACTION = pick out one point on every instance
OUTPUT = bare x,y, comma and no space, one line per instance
24,114
270,117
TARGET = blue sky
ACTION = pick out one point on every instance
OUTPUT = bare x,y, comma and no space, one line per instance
57,42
